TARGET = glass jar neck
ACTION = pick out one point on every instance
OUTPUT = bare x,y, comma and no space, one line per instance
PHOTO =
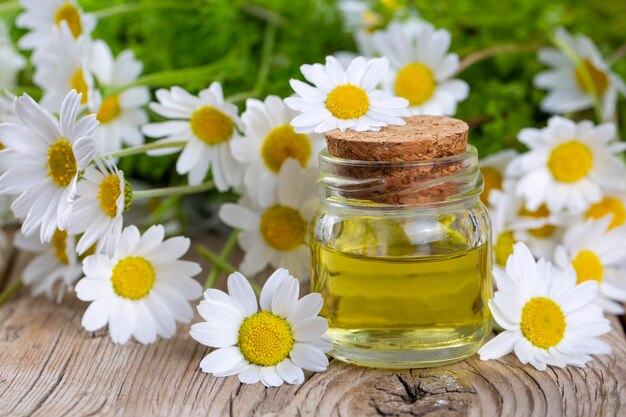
423,184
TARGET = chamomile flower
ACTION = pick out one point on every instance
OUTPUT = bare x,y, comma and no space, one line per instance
492,169
42,159
547,318
120,115
141,290
276,233
613,204
572,88
421,68
103,197
567,164
207,123
11,62
62,64
45,18
54,262
272,345
344,99
597,254
541,230
268,142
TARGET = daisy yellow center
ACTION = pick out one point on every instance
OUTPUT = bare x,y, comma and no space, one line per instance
542,212
492,180
78,83
599,79
59,245
283,143
570,161
608,205
588,267
371,20
416,83
61,164
504,247
110,109
109,191
2,146
348,102
133,277
265,339
543,322
283,228
69,14
211,125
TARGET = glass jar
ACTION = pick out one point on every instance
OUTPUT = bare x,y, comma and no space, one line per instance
402,257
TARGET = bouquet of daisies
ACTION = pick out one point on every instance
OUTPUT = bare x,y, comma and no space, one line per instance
559,209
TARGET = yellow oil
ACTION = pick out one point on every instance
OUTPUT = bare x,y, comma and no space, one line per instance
404,310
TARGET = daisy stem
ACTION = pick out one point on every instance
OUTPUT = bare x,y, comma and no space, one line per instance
581,69
10,290
267,52
227,250
219,262
135,150
168,191
138,7
495,50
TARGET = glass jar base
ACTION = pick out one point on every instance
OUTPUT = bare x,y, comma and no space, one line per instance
403,349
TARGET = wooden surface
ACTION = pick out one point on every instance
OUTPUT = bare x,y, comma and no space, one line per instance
50,366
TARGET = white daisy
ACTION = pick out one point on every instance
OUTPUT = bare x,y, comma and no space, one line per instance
344,99
63,64
273,345
142,290
103,197
42,160
46,17
541,230
268,142
364,18
11,62
569,88
613,204
567,164
597,254
277,233
492,169
207,123
54,262
421,68
121,115
547,318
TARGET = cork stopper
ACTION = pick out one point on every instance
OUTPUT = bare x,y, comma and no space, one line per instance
423,138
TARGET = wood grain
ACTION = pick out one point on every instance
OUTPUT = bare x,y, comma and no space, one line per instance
49,366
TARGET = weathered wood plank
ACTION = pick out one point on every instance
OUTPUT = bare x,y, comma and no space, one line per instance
50,366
